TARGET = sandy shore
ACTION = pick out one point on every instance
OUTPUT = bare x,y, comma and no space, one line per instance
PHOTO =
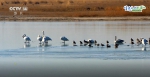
72,18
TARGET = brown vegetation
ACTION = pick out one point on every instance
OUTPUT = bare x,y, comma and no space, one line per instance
75,8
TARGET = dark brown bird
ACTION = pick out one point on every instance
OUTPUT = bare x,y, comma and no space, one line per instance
102,45
81,43
149,40
107,41
74,43
90,45
132,42
116,45
86,42
132,39
138,41
108,46
95,42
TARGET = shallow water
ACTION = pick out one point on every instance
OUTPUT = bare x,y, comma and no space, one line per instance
15,55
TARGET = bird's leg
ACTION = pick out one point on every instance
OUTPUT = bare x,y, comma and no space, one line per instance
40,42
46,42
28,42
25,42
64,42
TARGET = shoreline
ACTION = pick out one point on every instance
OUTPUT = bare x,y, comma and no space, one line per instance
144,18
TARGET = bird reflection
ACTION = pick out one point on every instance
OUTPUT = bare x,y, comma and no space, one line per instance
43,47
26,45
144,49
64,44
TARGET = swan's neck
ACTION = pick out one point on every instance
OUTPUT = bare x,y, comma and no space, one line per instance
43,33
115,38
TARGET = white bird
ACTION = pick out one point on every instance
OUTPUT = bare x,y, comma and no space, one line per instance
91,41
144,41
63,38
26,38
45,39
118,41
39,38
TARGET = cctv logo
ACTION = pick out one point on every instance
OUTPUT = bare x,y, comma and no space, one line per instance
18,8
25,8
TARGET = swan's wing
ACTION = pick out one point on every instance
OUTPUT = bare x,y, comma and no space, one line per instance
47,38
28,38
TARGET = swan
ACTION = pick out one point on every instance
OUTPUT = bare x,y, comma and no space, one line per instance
91,41
26,38
39,38
45,39
118,41
63,38
144,41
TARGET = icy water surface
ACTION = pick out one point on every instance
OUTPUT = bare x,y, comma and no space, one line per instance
12,43
57,59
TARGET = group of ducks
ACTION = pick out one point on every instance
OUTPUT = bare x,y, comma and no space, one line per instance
90,42
44,40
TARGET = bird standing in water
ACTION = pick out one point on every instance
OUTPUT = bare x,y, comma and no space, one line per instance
107,45
26,38
45,39
74,43
81,43
132,41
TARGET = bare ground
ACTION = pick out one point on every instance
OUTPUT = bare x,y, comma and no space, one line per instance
72,9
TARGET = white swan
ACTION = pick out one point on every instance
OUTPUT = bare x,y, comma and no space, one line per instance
39,38
26,38
144,41
63,38
118,41
45,39
91,41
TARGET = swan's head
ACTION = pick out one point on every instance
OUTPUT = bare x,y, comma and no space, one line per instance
24,35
